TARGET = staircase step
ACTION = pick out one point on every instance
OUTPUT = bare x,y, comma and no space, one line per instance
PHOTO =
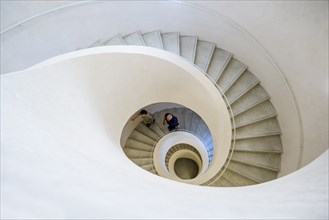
142,161
180,114
133,153
241,86
231,73
224,182
201,128
134,39
203,54
156,129
218,63
188,119
147,131
188,45
149,167
262,160
158,116
254,173
259,112
138,136
153,39
131,143
263,144
252,98
116,40
262,128
170,42
97,43
237,179
194,122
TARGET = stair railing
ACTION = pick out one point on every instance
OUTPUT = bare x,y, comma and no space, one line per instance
232,147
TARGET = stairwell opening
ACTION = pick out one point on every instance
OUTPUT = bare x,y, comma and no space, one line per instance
186,168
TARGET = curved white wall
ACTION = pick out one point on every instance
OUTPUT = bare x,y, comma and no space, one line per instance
61,157
70,177
247,29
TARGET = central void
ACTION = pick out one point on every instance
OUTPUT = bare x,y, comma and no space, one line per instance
186,168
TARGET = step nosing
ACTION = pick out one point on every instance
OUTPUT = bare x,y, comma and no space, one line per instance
268,168
235,79
245,92
257,120
244,175
258,151
252,106
258,136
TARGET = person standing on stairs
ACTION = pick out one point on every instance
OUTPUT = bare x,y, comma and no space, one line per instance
147,117
172,121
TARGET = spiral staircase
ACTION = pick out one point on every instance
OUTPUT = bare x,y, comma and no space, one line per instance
256,148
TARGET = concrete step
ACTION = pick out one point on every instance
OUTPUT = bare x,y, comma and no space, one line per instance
218,63
170,42
202,126
241,86
252,98
223,182
134,39
142,161
188,119
147,132
156,129
195,122
97,43
180,113
237,178
116,40
133,144
158,116
231,73
153,39
203,54
263,160
257,113
254,173
149,167
133,153
138,136
267,144
259,129
188,45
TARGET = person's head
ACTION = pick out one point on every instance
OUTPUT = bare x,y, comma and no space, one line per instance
168,116
143,112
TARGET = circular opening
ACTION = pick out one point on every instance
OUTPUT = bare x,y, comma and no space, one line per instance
186,168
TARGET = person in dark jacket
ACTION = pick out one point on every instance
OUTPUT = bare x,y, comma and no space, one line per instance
172,121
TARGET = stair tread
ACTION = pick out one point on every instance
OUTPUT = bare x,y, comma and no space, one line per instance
219,61
153,39
242,85
116,40
231,73
259,112
250,99
188,45
170,42
203,54
134,39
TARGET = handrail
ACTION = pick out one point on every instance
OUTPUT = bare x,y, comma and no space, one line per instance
221,171
43,13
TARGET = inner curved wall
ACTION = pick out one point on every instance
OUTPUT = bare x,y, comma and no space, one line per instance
58,25
154,74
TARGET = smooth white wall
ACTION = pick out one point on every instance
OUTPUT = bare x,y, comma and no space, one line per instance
60,153
294,34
